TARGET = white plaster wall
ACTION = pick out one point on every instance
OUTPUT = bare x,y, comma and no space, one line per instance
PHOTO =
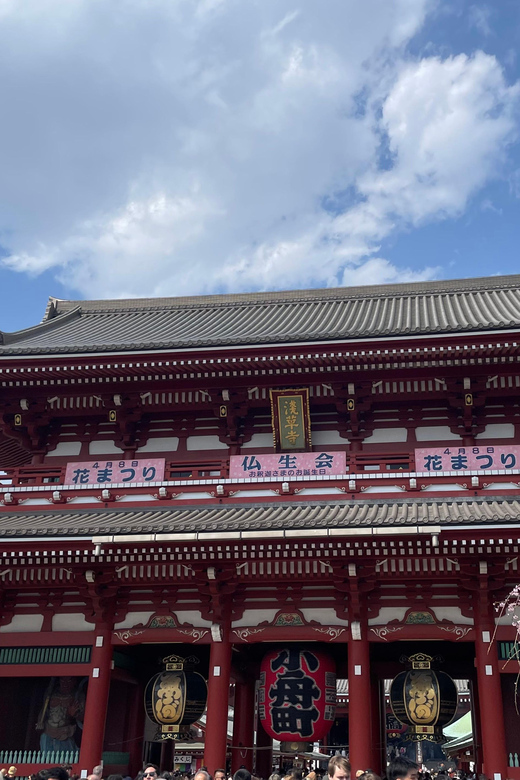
194,618
386,614
435,433
259,440
327,617
75,621
65,448
501,486
192,496
21,623
497,431
507,618
103,447
35,501
253,493
83,500
137,497
324,491
381,487
451,613
194,443
382,435
252,617
166,444
437,488
323,438
135,618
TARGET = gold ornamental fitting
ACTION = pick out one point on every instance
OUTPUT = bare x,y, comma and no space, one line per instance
420,661
174,663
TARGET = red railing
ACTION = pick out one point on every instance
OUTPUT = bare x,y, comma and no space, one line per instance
357,463
49,475
199,470
33,475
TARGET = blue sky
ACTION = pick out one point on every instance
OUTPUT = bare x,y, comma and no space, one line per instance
173,147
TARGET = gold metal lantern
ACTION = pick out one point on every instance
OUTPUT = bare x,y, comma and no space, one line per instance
176,697
423,699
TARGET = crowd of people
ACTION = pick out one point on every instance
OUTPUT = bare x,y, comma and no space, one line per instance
400,768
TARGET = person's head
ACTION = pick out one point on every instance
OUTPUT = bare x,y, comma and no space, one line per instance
150,772
242,774
219,774
202,774
369,775
339,768
54,773
402,768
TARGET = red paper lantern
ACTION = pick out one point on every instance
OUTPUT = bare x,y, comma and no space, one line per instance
297,694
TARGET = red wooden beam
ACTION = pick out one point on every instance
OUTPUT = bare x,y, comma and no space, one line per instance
45,670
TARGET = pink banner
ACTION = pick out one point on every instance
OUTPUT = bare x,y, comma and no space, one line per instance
305,464
467,458
113,471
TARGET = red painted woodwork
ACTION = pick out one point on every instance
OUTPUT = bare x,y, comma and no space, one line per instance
242,752
377,351
489,693
47,639
43,670
372,459
511,714
475,719
215,747
263,753
297,694
136,730
377,710
359,722
96,703
278,571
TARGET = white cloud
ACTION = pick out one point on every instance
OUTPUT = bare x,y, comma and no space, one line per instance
479,16
514,183
163,148
448,124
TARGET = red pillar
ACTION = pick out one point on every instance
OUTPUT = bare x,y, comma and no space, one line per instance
97,701
494,756
136,730
264,752
475,717
377,731
359,695
243,726
215,745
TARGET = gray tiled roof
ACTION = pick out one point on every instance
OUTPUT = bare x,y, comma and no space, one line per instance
269,318
243,518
